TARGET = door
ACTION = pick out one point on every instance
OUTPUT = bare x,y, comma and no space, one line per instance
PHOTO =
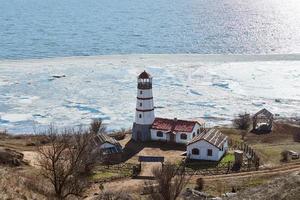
172,138
139,136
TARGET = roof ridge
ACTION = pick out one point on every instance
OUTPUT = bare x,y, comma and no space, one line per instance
218,135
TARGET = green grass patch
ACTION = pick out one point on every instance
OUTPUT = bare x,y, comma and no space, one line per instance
104,173
101,175
203,164
229,157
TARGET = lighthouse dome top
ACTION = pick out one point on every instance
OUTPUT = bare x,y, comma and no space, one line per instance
144,75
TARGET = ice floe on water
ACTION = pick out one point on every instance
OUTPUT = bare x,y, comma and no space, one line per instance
71,91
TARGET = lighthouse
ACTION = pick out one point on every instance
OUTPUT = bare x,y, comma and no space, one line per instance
144,113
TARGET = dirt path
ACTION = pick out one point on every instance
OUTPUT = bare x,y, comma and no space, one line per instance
135,185
148,167
31,157
287,168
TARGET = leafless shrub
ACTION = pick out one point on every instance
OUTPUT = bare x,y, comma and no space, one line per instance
97,126
285,157
297,137
200,184
37,185
220,187
112,195
13,185
170,181
119,135
66,161
4,133
242,121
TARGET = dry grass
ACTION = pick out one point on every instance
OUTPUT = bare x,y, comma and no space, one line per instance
270,145
284,187
22,142
18,184
216,188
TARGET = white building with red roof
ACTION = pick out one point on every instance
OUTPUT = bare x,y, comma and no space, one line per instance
175,130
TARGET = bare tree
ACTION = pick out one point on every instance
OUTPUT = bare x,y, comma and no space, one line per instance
242,121
97,126
170,181
66,160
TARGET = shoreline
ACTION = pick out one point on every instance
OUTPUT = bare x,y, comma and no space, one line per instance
185,56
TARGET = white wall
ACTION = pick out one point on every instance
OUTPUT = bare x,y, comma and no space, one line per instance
147,118
190,135
166,137
155,138
225,149
146,93
181,141
203,146
196,128
146,104
177,137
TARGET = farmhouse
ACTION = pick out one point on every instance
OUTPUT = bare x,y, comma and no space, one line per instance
211,145
146,127
174,130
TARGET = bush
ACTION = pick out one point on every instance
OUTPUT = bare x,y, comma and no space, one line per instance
97,126
242,121
285,157
4,134
200,184
297,137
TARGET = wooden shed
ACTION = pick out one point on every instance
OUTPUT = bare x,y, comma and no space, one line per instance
108,148
263,121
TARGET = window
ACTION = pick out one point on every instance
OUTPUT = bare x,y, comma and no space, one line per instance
183,136
141,104
140,115
194,134
159,134
222,148
141,92
209,152
198,131
195,151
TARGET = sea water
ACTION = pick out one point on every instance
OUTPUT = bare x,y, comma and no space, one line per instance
59,28
214,87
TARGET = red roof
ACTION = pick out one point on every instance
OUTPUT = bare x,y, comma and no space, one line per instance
173,125
144,75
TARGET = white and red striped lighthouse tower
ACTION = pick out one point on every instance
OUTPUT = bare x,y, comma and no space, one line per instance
144,114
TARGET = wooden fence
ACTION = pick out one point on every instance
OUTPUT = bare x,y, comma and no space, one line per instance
251,156
250,162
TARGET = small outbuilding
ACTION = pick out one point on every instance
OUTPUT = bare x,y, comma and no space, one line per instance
263,121
211,145
109,148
